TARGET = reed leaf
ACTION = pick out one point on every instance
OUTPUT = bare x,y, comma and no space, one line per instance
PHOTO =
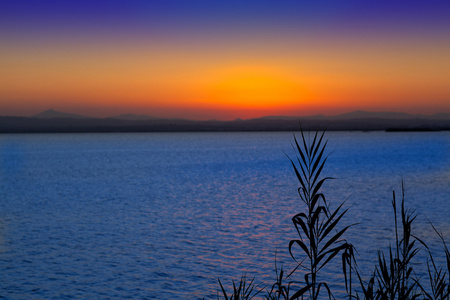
327,228
299,177
317,161
332,253
301,292
319,185
317,197
333,239
297,220
305,147
303,195
317,212
223,290
326,286
302,167
302,245
318,172
299,150
318,144
312,144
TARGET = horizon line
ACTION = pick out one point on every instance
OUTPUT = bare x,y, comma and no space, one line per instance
144,115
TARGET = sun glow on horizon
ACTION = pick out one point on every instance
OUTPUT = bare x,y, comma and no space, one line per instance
251,87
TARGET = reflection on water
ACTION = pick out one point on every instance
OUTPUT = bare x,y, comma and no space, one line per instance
163,216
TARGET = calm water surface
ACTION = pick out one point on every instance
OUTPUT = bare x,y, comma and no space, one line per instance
163,215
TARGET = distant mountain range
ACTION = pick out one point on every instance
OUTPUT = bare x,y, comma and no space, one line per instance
358,114
133,117
53,114
55,121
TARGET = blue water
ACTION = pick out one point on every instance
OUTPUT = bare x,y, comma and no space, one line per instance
164,215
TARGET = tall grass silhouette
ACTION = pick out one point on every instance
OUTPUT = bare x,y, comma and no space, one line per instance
394,277
321,240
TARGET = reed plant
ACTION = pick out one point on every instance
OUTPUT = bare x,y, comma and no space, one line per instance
394,276
321,240
439,287
243,291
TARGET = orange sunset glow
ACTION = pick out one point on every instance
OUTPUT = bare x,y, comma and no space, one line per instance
224,75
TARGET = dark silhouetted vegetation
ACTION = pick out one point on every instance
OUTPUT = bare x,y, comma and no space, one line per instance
321,240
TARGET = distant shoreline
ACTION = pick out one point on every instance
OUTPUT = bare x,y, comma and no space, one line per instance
93,125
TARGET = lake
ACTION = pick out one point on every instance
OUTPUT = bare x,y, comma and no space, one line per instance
164,215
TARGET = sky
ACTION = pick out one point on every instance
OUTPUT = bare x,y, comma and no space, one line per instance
208,59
